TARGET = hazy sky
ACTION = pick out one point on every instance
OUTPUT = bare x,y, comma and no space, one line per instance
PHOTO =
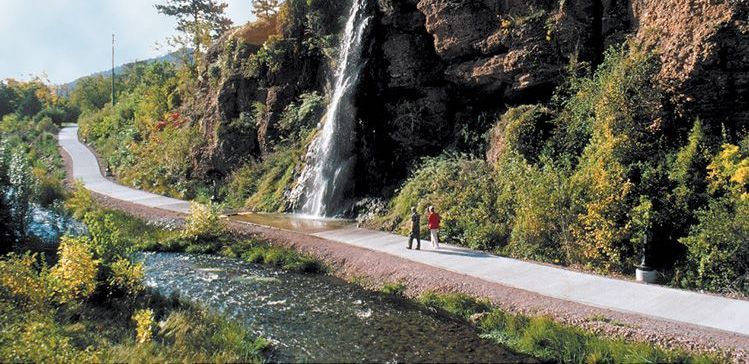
72,38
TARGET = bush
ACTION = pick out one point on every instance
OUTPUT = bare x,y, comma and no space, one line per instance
464,191
718,245
144,326
394,289
106,239
204,223
458,304
80,202
74,275
281,257
297,121
523,129
21,278
718,248
126,277
543,212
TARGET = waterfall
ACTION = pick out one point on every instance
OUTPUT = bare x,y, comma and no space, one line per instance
330,158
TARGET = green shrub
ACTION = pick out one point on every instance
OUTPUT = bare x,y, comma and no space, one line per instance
394,289
718,245
80,202
524,129
106,239
274,177
298,120
204,223
126,277
458,304
543,212
281,257
473,209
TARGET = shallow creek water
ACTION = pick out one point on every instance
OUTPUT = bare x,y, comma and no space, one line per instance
318,318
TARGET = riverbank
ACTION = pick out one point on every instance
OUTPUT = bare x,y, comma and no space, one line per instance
374,270
353,263
254,294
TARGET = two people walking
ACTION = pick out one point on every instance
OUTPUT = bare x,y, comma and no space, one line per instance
433,223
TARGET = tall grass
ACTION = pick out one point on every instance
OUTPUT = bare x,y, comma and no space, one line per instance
546,339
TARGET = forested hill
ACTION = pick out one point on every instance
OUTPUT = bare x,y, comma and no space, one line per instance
173,57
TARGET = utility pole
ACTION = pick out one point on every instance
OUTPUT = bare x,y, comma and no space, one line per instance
112,69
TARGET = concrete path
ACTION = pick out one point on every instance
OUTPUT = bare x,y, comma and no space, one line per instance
86,169
649,300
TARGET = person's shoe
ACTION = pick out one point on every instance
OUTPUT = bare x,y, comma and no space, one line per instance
409,248
418,248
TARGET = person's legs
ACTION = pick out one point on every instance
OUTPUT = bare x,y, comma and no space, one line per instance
418,242
435,238
410,241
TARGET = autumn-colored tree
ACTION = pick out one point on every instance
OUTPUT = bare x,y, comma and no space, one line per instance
265,9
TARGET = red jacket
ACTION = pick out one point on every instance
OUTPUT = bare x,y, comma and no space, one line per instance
434,221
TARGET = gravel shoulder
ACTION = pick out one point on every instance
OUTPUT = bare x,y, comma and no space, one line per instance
375,269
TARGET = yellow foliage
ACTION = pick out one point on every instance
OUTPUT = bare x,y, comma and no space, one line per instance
143,326
20,278
127,276
258,32
729,171
74,275
204,222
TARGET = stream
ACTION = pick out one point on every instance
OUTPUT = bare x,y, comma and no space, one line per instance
319,318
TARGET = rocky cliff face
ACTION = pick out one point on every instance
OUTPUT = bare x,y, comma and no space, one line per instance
704,49
440,71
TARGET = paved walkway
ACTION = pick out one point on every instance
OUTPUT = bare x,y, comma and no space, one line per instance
86,169
614,294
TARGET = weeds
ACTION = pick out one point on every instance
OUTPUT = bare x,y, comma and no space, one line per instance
546,339
394,289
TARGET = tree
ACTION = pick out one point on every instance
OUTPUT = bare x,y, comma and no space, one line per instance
265,9
91,93
8,98
199,20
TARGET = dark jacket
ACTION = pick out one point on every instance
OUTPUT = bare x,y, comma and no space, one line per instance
415,222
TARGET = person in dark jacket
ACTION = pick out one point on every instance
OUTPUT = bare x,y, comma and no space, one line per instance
415,229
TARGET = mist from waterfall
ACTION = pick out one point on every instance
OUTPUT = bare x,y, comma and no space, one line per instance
330,159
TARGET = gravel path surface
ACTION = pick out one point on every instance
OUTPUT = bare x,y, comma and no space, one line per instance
375,269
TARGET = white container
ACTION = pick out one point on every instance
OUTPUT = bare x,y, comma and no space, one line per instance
646,276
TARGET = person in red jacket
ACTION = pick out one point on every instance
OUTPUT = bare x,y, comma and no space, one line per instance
434,227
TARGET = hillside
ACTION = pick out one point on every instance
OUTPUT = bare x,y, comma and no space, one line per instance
587,133
173,57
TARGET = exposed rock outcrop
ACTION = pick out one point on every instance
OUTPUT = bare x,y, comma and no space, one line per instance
436,66
704,50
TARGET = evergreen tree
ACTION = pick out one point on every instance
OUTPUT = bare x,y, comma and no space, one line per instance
200,21
264,9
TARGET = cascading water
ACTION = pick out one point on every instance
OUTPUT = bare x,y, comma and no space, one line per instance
330,159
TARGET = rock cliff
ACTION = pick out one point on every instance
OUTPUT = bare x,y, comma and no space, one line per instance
439,72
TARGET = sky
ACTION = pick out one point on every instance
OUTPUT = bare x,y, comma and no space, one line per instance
67,39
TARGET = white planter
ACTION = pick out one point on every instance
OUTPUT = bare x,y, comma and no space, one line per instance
646,276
